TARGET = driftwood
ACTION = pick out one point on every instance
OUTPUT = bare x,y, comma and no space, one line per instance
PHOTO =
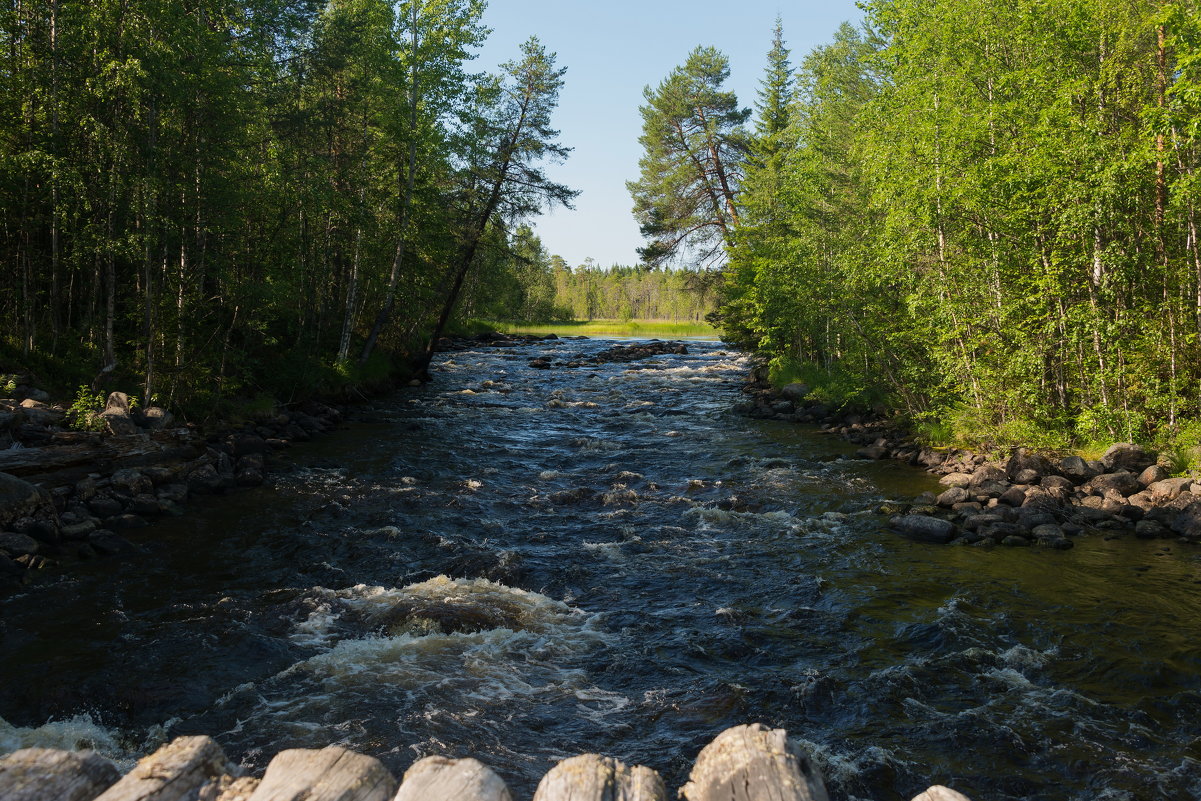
175,772
437,778
32,774
940,793
754,763
745,763
331,774
595,778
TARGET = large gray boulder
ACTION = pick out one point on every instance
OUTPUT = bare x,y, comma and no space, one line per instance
923,528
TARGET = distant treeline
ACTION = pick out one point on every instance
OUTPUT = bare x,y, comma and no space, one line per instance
525,283
983,213
224,197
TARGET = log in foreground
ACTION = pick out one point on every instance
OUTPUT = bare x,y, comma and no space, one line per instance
744,763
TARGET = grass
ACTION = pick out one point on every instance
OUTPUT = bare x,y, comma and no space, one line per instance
646,329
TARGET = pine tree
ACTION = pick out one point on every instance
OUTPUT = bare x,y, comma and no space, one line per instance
685,200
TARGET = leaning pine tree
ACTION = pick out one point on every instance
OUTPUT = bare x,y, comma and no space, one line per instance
507,181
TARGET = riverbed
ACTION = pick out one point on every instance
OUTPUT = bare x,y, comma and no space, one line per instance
523,564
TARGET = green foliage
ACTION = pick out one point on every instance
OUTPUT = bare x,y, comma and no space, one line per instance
84,412
215,200
1183,449
992,223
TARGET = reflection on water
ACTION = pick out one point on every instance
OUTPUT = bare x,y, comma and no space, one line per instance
526,564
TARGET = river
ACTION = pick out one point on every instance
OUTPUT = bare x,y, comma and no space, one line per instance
522,565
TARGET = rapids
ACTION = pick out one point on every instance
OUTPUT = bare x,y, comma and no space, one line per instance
523,564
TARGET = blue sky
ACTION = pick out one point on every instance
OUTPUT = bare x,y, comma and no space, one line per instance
612,49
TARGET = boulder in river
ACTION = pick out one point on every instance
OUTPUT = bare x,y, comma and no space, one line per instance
924,528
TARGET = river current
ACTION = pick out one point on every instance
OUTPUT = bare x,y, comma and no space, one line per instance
522,565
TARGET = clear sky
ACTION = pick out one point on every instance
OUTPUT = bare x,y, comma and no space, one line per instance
612,49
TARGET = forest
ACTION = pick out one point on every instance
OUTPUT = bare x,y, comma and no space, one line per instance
981,215
526,284
232,199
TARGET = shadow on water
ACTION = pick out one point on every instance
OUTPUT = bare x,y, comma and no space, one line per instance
526,564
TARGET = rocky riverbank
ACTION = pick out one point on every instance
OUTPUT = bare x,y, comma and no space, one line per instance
1020,498
72,498
743,763
68,496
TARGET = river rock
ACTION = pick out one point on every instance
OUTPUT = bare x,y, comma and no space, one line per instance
1150,530
952,497
175,772
1014,496
923,528
41,774
590,777
16,544
1015,541
19,499
173,493
1187,522
156,418
1169,488
1076,468
988,474
105,506
78,531
131,482
1046,531
1056,482
754,763
1151,475
1027,467
437,778
540,363
940,793
109,542
978,521
330,774
1127,456
249,477
204,478
1122,482
1142,500
956,480
10,568
999,532
145,505
1027,476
